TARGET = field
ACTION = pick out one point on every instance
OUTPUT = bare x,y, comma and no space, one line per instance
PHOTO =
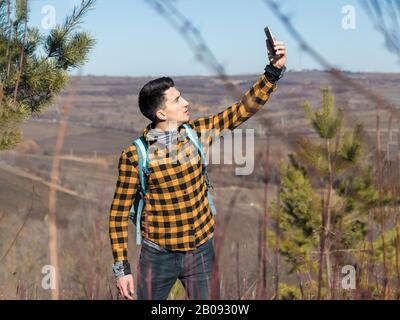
104,119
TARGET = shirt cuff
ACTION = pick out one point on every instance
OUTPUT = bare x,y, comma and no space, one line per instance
121,268
273,74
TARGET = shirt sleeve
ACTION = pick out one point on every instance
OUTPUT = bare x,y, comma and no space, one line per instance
212,127
125,191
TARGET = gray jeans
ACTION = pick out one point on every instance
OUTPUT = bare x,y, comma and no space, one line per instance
159,268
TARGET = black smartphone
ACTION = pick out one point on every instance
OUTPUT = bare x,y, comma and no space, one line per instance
270,38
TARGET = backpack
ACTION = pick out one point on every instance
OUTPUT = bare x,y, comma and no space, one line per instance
135,213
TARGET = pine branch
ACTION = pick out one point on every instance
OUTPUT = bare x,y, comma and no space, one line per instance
58,35
313,155
34,41
78,13
350,150
29,81
21,11
74,53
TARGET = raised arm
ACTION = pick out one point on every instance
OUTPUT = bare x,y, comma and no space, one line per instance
211,128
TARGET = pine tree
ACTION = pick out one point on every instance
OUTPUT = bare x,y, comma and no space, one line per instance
34,67
363,202
336,152
315,169
299,221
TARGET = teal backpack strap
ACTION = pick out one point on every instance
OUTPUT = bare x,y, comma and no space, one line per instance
137,207
195,139
192,135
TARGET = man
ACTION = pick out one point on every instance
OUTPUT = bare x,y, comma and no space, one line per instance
177,224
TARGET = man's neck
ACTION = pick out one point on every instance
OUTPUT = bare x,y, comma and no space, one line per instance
167,126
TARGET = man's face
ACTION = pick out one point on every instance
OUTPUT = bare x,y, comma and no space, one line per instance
175,108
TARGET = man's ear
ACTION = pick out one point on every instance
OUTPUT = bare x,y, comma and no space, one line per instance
161,115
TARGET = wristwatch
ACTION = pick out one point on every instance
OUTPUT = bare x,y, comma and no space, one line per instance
273,73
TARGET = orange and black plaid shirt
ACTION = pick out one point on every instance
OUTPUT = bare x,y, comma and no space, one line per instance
176,214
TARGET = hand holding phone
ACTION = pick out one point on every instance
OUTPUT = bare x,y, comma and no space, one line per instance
276,49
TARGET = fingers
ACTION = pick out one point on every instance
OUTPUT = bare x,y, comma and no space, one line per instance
120,291
277,52
126,287
126,292
280,49
131,287
277,46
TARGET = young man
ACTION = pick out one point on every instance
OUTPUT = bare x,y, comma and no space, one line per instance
177,224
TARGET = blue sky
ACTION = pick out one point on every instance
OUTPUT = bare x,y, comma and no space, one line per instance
133,40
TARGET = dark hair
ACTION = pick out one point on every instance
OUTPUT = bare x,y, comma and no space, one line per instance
151,96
